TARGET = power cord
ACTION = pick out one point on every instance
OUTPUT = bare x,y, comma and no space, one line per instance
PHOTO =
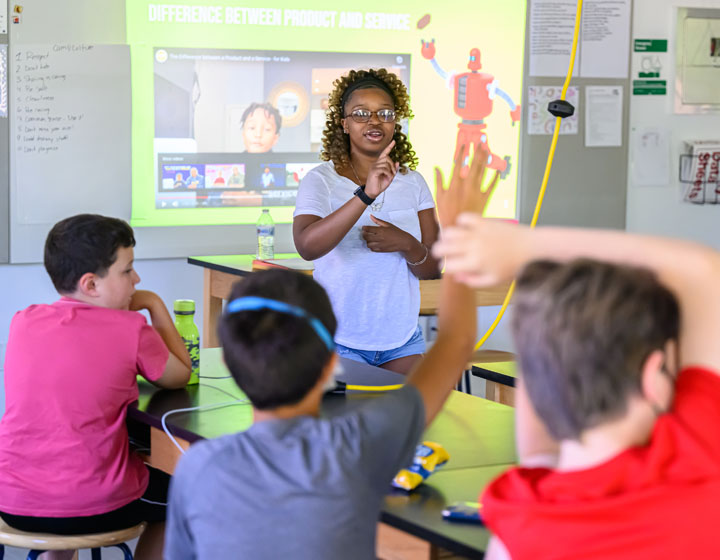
340,387
163,419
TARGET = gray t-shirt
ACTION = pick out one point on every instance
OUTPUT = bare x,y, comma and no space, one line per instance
376,297
304,488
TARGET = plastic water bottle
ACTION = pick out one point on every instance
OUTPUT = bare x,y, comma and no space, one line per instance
265,236
185,324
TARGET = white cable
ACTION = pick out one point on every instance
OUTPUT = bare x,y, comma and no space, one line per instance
163,420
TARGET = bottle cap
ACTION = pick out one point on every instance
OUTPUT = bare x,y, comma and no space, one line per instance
184,306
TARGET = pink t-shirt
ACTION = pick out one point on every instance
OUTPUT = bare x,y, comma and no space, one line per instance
70,373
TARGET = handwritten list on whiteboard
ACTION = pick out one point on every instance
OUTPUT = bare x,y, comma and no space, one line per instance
70,131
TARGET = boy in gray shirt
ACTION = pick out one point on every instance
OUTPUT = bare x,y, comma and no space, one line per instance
296,485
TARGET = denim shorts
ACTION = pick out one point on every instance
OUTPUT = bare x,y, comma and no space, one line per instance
416,345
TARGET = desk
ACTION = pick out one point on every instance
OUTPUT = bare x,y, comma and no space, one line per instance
417,513
220,272
477,433
499,380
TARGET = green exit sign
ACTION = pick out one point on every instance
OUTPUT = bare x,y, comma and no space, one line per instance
650,45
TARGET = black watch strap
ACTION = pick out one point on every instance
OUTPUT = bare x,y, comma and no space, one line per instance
360,193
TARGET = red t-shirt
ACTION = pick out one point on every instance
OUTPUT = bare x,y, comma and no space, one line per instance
656,501
70,372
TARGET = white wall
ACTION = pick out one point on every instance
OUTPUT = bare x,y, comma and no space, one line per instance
659,210
23,285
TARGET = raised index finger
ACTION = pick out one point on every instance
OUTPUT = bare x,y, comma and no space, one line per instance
387,150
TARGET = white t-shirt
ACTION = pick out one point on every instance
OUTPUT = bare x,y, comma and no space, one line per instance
375,295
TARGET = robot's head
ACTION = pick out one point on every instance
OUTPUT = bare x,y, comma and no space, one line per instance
474,61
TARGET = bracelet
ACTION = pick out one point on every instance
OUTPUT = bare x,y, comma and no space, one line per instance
427,252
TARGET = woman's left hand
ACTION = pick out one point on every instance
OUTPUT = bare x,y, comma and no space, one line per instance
386,238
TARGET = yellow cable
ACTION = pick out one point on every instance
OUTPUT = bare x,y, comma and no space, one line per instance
546,176
373,387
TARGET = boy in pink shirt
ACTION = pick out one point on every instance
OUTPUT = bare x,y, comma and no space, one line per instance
70,373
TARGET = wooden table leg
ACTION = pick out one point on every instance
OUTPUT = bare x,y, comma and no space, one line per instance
163,453
394,544
212,310
499,392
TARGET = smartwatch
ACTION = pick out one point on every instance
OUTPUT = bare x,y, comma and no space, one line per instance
360,193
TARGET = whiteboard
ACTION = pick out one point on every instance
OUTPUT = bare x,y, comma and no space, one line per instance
69,137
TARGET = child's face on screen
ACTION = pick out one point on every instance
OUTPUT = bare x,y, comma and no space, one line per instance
259,131
117,286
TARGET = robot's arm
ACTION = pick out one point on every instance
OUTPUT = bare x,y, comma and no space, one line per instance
514,109
440,71
428,51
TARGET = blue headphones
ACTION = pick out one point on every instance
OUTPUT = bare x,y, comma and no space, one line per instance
254,303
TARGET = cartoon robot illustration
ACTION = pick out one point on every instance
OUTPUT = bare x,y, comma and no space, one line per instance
475,92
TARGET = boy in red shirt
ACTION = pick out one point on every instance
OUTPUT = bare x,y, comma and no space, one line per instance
618,408
70,373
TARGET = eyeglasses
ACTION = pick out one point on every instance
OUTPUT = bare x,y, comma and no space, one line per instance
364,115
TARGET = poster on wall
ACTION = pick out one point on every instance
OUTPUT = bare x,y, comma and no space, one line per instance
650,67
542,122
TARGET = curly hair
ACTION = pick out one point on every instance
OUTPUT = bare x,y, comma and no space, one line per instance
336,144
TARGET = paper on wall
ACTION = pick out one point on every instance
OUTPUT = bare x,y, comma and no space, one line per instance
603,116
604,41
552,23
650,156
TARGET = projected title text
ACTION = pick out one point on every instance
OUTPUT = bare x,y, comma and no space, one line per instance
232,15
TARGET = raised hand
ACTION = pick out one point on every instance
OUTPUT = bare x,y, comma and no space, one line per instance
465,193
481,252
381,173
386,238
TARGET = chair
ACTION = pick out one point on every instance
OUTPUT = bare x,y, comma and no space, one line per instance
42,542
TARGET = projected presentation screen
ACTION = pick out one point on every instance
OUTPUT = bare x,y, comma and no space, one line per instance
238,128
229,98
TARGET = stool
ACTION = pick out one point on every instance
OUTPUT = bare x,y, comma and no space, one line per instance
42,542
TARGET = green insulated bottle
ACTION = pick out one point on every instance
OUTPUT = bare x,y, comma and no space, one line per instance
185,325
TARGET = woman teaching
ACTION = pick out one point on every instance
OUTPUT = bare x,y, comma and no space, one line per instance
368,221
